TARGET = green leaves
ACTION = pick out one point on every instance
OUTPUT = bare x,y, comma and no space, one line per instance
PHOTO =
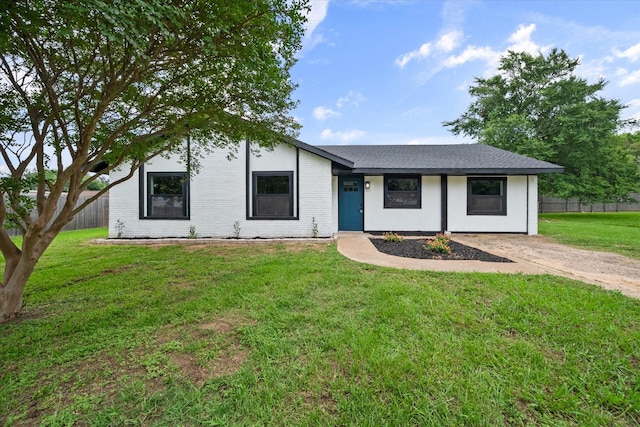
123,73
94,82
537,107
15,193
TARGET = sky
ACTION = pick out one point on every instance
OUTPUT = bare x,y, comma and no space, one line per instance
391,71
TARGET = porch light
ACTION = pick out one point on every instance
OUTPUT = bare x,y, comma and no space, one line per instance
367,185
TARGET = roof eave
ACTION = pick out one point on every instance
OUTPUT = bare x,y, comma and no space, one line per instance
457,171
319,152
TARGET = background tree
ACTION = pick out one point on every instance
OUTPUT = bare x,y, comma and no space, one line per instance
98,184
632,143
50,176
538,107
84,82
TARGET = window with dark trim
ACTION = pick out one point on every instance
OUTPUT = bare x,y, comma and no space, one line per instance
273,195
486,196
167,195
402,192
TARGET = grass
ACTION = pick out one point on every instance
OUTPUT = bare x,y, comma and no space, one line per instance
617,232
275,334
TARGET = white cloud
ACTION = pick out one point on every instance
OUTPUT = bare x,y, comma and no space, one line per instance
342,136
629,78
595,69
632,53
449,41
352,98
521,40
322,113
316,14
313,41
472,53
422,52
464,86
634,103
446,43
621,72
633,109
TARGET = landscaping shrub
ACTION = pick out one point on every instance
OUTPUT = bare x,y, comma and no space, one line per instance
440,244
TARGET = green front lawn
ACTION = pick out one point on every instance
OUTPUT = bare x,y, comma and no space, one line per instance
617,232
275,334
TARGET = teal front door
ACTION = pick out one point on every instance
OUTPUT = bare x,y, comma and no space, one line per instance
350,203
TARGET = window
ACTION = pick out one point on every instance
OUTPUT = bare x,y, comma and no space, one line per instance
402,192
486,196
273,194
167,195
350,186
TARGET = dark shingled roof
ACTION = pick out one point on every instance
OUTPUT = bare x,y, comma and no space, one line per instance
458,159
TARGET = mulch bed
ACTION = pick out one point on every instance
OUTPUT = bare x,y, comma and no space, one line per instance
414,248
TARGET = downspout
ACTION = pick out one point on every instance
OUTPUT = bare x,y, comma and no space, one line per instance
528,201
247,173
297,183
188,195
142,198
189,155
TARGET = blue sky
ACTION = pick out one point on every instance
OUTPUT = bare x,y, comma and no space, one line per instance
390,72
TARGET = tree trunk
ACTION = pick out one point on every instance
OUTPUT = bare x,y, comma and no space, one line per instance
17,270
16,274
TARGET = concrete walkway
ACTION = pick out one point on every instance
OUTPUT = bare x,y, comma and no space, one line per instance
358,247
531,255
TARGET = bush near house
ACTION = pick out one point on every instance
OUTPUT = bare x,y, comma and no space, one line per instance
392,237
440,244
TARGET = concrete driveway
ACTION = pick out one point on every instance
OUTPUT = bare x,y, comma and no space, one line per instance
531,255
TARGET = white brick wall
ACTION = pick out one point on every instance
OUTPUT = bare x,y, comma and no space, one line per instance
218,198
514,222
427,218
316,198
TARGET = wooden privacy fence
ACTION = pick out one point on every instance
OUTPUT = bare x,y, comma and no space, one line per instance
547,204
93,216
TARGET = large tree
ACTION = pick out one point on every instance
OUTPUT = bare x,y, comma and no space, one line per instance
536,106
89,86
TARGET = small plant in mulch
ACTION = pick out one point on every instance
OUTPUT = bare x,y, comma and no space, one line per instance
392,237
440,244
